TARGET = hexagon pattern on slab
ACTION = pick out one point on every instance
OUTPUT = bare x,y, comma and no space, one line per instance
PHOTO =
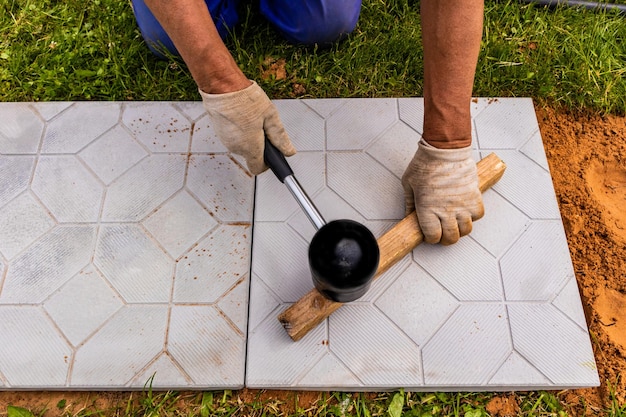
498,309
126,255
106,218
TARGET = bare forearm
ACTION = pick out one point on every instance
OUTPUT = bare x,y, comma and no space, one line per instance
452,30
191,28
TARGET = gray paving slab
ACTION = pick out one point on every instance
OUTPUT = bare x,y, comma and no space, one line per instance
127,256
125,237
499,310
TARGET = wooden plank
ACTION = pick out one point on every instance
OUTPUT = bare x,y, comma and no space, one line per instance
313,308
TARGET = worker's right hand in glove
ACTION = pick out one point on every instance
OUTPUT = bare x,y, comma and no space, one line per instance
242,119
441,185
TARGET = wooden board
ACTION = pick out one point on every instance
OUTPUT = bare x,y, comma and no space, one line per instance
313,308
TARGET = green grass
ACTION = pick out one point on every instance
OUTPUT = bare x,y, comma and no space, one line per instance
393,404
72,50
571,57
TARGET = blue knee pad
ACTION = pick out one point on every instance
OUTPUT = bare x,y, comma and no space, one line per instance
312,21
224,13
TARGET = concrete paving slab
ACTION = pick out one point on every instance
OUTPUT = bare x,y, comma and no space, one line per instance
497,311
124,255
126,236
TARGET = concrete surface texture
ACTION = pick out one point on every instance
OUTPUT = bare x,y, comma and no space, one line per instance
130,254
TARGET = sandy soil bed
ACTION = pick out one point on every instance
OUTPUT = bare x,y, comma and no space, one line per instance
587,157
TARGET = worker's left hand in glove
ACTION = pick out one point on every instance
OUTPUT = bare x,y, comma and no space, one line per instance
242,119
441,185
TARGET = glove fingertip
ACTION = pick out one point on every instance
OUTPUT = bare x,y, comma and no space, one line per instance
465,227
431,228
431,238
256,166
280,139
479,212
450,238
409,198
288,149
408,208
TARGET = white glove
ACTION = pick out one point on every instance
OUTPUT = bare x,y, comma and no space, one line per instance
441,185
242,119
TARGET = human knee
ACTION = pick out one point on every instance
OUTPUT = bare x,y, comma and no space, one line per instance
312,21
224,13
151,30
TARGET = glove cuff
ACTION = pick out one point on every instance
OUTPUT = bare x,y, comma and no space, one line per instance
448,155
249,94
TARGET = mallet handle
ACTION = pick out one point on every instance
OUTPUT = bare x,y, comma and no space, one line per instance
313,307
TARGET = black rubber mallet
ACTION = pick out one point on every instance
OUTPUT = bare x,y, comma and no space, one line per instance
343,254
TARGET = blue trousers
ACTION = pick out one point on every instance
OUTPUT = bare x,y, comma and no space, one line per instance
299,21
